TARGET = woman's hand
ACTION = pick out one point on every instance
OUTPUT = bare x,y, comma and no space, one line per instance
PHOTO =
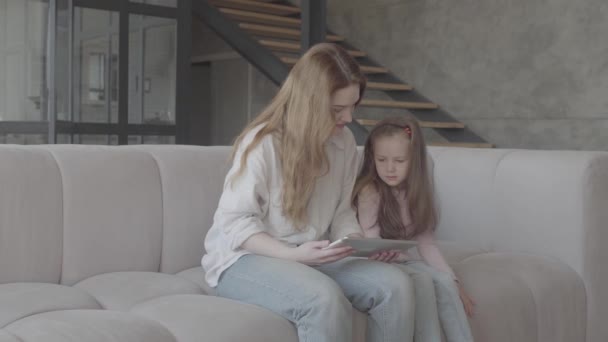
312,253
386,256
467,302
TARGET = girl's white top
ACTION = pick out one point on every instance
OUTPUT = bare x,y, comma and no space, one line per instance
252,202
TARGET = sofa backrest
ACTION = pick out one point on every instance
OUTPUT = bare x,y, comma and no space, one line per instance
192,180
541,202
549,203
112,210
68,212
31,216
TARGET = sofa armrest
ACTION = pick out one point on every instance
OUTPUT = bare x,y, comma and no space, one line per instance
551,203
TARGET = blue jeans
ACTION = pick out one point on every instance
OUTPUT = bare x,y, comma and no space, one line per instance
319,299
437,300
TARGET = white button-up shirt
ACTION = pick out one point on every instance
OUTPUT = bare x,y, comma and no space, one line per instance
252,202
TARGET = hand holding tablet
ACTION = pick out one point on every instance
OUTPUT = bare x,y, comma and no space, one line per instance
367,247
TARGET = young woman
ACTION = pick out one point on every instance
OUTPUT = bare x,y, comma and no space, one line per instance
287,194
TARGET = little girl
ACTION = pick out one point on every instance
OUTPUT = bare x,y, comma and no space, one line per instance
394,200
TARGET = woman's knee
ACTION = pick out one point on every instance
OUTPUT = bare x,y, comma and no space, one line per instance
324,296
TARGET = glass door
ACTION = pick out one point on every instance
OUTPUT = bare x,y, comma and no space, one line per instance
94,71
23,80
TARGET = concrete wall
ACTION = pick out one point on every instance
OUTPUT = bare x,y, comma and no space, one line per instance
521,73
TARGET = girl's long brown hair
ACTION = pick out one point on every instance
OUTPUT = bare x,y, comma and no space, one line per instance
417,185
301,120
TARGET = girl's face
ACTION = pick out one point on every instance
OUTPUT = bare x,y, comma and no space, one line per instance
392,158
343,103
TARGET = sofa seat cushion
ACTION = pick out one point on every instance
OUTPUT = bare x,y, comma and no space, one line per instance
455,252
207,318
121,290
523,297
359,326
19,300
89,326
197,276
5,336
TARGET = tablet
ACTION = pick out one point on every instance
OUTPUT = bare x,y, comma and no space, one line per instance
366,247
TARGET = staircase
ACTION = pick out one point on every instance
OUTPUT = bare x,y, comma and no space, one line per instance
276,27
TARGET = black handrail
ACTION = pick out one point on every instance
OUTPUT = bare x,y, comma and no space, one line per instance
313,31
260,57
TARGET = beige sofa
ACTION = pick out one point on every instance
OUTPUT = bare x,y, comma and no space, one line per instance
104,244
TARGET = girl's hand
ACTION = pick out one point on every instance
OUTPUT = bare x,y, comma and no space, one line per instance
386,256
312,253
467,302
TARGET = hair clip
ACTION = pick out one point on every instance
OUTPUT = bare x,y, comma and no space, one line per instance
408,131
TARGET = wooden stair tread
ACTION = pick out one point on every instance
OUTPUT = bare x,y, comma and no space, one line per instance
249,12
424,124
260,18
296,47
388,86
257,6
398,104
364,69
281,32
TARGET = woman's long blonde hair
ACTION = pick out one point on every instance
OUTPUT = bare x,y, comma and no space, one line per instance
418,185
301,121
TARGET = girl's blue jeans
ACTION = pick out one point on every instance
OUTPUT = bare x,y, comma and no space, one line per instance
433,286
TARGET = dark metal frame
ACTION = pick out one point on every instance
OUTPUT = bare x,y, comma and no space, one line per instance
50,72
183,93
51,127
123,72
313,31
131,7
260,57
313,14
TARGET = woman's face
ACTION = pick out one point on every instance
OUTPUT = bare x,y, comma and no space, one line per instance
343,103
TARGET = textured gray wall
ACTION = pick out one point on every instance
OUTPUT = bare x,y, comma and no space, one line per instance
521,73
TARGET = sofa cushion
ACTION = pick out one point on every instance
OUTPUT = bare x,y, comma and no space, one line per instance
208,318
524,298
453,252
192,180
89,326
30,216
121,290
112,206
18,300
5,336
466,206
197,275
359,326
